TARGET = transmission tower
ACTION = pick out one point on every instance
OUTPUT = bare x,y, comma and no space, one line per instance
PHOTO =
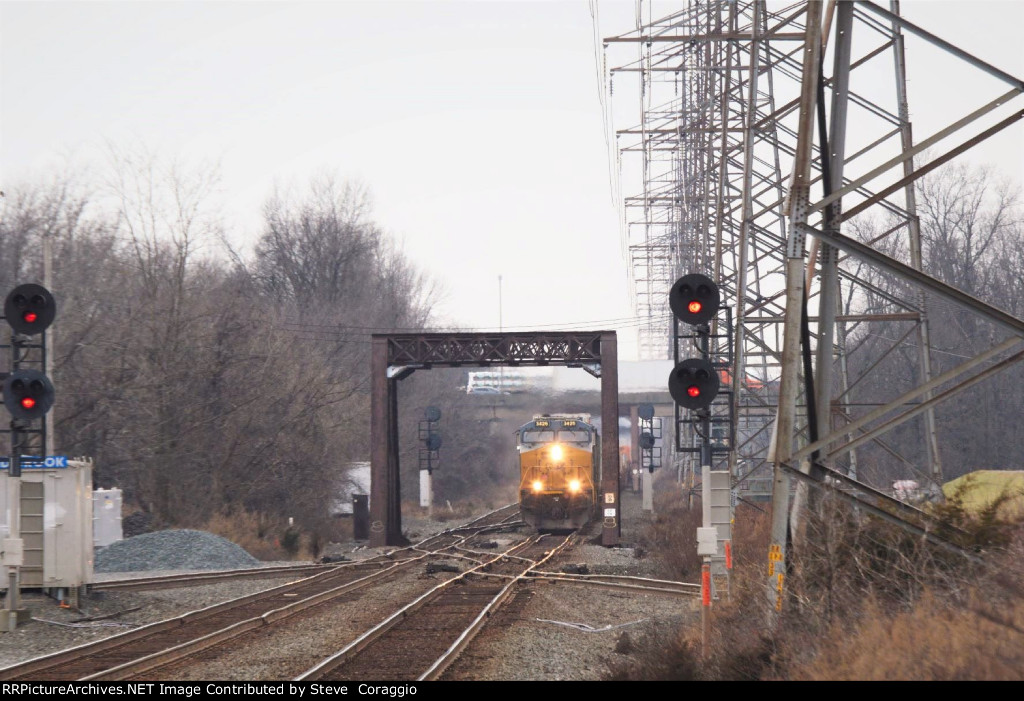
772,150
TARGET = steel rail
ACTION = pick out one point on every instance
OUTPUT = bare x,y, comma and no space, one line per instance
96,647
162,658
636,588
370,636
442,663
201,578
624,577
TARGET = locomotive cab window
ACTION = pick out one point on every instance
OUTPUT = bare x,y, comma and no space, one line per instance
537,436
581,436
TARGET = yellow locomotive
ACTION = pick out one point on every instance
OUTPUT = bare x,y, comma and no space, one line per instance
559,468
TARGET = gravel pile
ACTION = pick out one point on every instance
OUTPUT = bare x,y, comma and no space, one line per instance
173,550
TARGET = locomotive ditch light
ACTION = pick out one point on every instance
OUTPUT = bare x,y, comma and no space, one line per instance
574,486
538,486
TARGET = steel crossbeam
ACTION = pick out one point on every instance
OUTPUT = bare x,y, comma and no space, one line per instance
484,349
395,356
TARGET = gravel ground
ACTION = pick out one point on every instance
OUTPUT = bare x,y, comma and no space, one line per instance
558,631
51,628
308,638
529,639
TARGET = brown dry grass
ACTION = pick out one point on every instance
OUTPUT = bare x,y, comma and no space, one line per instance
263,537
671,535
444,512
931,642
865,601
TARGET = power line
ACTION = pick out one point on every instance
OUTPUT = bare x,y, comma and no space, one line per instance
620,322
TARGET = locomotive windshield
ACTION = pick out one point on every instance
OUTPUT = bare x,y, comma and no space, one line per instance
537,436
580,435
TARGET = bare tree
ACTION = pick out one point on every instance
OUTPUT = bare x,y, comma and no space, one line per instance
972,237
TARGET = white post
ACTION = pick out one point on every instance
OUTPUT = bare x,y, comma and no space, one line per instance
426,490
646,481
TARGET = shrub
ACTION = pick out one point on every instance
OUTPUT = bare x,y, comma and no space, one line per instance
865,600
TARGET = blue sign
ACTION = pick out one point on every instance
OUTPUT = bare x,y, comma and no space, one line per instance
35,462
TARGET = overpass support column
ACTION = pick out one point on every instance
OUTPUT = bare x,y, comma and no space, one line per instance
610,504
634,465
385,513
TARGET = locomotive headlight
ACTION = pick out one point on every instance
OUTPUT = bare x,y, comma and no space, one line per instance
556,452
538,485
574,486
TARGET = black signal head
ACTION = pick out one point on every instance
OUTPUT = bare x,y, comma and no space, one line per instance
28,394
694,298
693,383
30,309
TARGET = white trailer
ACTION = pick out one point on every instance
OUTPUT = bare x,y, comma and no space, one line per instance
56,526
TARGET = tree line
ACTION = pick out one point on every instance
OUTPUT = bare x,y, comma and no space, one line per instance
205,380
972,237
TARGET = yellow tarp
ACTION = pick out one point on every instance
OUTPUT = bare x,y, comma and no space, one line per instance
986,485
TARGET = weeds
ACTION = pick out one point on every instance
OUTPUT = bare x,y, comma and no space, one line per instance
866,600
264,537
672,535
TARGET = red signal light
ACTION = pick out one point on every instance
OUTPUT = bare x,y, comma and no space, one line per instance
30,317
694,307
693,391
28,402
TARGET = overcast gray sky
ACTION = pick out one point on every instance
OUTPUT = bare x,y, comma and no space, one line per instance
476,125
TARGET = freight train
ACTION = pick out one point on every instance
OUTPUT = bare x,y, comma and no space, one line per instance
559,470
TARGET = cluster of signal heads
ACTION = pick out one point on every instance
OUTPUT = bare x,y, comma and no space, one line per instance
29,309
694,299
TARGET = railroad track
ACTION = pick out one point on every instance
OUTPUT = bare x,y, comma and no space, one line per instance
421,639
623,582
199,578
147,648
